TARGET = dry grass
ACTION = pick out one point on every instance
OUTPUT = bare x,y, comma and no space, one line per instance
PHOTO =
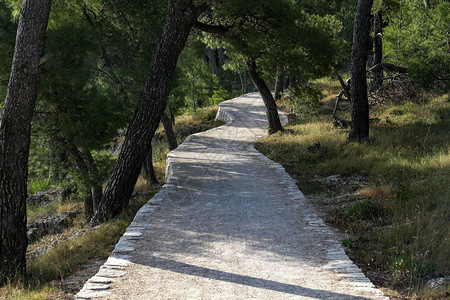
398,221
43,210
329,87
185,125
45,271
202,115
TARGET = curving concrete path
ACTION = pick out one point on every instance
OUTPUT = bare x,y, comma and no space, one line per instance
229,224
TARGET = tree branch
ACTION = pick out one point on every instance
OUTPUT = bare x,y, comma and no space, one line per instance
45,58
213,29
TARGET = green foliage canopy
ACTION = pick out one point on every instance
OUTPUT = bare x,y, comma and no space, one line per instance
419,38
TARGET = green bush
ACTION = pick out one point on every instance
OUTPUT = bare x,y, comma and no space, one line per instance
219,96
37,185
416,38
305,100
367,210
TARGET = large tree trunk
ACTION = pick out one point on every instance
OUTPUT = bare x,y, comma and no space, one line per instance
15,127
360,104
269,101
279,84
170,135
154,98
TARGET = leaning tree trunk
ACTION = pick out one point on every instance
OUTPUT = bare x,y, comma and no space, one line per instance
279,84
15,128
358,92
170,135
269,101
154,98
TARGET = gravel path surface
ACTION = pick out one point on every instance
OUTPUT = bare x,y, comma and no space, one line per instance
229,224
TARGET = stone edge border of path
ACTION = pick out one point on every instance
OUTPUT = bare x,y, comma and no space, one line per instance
339,262
98,285
120,258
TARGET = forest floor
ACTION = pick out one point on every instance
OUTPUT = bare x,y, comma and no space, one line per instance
391,196
59,264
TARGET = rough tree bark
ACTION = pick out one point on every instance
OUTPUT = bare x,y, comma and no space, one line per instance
360,104
269,101
15,127
181,16
279,84
170,135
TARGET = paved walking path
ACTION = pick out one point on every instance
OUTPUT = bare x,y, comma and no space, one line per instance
230,224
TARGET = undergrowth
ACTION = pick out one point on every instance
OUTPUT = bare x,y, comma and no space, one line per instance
46,271
398,217
38,184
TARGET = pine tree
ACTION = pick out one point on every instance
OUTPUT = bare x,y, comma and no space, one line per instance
270,35
358,92
15,120
154,97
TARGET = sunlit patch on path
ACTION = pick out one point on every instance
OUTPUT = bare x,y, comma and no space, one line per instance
229,224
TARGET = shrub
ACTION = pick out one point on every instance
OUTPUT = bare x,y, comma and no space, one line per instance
219,96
